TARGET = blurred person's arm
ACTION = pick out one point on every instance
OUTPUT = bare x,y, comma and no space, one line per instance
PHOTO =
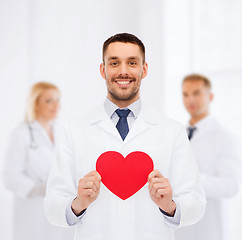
15,178
224,182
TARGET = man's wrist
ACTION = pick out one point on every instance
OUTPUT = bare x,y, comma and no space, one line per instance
76,207
169,211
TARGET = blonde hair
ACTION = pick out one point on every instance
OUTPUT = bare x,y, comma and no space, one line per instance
198,77
34,95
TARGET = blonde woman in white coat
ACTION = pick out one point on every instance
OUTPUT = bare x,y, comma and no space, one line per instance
217,153
28,159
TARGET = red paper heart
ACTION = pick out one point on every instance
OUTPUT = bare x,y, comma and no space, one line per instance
124,176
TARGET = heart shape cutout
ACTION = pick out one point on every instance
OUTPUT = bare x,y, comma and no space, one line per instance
124,176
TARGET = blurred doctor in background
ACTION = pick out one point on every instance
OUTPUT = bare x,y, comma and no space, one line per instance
216,151
27,164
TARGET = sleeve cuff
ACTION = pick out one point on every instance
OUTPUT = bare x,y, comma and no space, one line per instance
71,217
172,221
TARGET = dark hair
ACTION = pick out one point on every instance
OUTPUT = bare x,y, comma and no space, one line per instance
198,77
125,38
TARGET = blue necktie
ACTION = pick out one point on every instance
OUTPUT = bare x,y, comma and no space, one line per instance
190,132
122,124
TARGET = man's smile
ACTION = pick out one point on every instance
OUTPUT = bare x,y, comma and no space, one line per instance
123,82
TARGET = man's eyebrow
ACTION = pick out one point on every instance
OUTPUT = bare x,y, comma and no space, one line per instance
112,58
130,58
133,57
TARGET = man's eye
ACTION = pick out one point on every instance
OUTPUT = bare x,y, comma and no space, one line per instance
114,63
132,63
48,101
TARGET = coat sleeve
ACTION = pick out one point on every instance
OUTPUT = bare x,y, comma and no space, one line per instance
185,181
61,187
224,183
14,174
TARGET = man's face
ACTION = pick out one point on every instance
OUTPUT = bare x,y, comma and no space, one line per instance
123,69
196,97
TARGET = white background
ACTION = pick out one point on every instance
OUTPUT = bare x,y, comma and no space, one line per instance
60,41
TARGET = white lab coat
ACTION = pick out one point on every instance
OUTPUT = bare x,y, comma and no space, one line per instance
109,217
25,174
217,154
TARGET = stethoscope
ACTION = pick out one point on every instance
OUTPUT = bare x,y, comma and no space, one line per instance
33,144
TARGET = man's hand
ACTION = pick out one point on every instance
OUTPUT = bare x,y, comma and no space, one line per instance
161,192
88,191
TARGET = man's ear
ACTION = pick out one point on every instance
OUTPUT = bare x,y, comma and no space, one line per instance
102,70
211,97
145,70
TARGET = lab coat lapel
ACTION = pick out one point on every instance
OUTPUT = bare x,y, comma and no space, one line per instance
37,127
141,124
107,125
206,126
145,119
100,117
211,125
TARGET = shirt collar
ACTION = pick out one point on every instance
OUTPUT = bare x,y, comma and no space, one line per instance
135,108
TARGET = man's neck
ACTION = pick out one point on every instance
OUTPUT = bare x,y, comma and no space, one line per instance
122,104
195,119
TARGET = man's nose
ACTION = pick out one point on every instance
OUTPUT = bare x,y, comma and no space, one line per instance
123,70
190,99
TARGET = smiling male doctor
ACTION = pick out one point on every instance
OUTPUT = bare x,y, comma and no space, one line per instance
75,195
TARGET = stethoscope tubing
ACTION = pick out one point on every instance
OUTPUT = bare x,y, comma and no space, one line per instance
32,144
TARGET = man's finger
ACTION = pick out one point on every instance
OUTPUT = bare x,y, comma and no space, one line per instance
157,180
93,173
90,179
88,185
97,175
155,174
153,191
163,185
87,192
91,185
161,192
153,188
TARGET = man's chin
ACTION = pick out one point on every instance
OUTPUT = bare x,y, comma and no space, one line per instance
124,98
124,95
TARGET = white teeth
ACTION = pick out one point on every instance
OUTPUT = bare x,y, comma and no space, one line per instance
123,82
